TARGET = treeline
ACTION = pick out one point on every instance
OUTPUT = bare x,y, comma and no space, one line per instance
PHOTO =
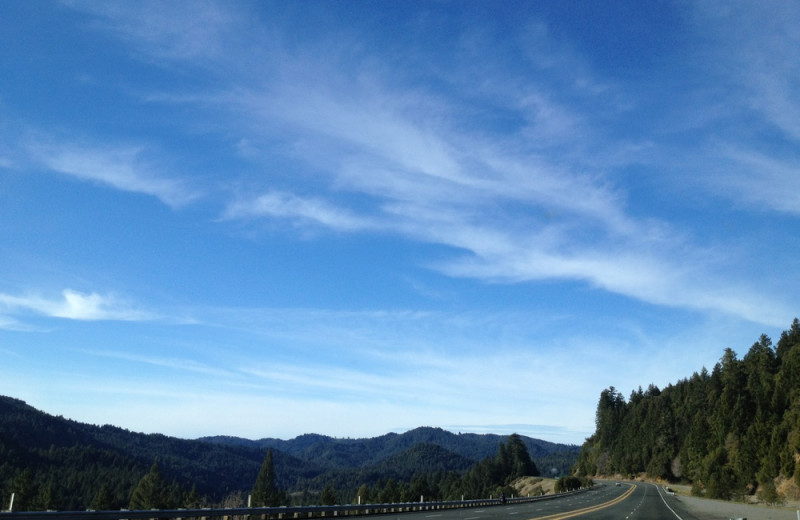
331,452
55,463
731,433
489,477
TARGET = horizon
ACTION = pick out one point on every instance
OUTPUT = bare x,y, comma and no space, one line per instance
320,434
395,432
352,217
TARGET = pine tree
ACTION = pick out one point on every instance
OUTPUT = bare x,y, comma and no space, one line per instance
521,463
193,500
22,488
103,501
150,492
363,494
329,496
265,491
390,492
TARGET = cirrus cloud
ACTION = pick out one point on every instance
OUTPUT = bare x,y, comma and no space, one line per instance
74,305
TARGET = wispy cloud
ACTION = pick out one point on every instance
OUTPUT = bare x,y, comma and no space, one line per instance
517,213
8,323
74,305
765,65
173,363
759,166
526,202
765,181
519,216
166,31
122,167
303,211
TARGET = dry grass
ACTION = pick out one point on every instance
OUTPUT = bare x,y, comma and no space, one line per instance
788,488
534,486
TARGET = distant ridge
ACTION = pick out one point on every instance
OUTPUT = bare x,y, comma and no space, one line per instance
70,461
361,452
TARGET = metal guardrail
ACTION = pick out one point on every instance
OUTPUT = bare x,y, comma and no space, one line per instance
267,513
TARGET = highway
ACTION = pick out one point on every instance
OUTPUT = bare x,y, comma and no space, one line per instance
605,501
629,501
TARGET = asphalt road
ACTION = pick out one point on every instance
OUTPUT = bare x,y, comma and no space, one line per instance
605,501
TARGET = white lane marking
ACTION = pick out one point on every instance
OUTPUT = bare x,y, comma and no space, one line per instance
658,490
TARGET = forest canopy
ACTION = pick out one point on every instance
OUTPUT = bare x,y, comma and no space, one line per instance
51,462
732,432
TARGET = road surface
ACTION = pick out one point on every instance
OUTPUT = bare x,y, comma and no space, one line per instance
606,501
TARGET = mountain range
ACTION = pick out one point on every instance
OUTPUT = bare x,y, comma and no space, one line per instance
67,461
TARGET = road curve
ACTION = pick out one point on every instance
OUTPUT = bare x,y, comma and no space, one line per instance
629,501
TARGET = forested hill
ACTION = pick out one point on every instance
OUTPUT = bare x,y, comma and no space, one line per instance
338,453
733,432
56,463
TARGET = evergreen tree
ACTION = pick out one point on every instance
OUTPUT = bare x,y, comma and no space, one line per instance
390,493
265,491
363,495
521,463
193,500
769,494
151,491
103,500
329,496
729,432
22,489
420,487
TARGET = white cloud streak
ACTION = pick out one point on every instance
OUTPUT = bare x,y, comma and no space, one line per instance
122,167
764,181
754,52
766,63
519,207
282,205
74,305
171,31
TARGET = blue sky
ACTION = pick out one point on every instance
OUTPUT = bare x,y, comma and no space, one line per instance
266,219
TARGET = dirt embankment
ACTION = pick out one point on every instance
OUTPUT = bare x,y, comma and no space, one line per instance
534,486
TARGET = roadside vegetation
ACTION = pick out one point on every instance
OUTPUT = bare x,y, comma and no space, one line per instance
733,433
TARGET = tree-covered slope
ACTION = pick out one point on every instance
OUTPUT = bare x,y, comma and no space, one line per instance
731,432
358,453
67,462
55,463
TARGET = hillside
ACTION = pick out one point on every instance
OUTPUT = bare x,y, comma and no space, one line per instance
53,462
731,433
357,453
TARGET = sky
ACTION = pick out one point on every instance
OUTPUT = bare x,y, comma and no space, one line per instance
350,218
